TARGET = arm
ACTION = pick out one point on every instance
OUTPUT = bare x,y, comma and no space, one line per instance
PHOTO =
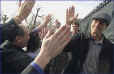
37,66
51,47
24,11
70,20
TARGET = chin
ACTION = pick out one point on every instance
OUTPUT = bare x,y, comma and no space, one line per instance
93,35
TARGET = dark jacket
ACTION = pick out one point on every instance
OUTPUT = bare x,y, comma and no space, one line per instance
79,47
30,70
14,59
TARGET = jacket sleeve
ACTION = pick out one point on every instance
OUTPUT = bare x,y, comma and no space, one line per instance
30,70
33,69
4,29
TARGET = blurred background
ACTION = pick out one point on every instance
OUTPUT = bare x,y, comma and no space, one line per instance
85,8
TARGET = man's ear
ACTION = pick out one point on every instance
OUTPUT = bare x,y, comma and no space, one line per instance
18,39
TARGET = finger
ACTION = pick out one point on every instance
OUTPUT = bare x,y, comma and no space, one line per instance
69,9
65,37
75,19
67,16
40,35
75,25
49,33
63,44
62,34
72,11
58,32
45,31
67,13
49,17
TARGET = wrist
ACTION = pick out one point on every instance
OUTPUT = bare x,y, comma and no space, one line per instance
17,19
42,60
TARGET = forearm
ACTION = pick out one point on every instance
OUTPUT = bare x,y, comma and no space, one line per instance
42,60
38,65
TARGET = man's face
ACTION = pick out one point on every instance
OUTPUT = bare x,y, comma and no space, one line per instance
24,39
97,28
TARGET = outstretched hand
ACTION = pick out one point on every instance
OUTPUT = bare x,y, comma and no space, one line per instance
70,15
24,11
52,45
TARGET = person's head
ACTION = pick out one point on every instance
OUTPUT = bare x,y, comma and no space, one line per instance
17,34
99,23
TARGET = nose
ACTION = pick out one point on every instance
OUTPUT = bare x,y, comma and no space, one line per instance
96,26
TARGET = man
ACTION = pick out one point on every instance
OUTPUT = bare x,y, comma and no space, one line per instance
10,51
18,37
49,49
91,53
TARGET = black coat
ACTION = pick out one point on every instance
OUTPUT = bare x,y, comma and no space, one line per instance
30,70
79,47
14,59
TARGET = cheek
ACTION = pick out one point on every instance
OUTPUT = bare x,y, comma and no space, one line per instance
92,28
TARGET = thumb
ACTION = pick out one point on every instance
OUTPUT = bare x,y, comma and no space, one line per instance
75,17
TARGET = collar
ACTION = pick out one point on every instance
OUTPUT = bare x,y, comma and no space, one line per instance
98,42
11,45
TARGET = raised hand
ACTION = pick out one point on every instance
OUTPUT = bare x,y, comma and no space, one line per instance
47,19
75,28
40,27
70,15
43,32
24,11
53,44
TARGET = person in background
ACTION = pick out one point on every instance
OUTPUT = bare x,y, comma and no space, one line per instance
18,37
91,53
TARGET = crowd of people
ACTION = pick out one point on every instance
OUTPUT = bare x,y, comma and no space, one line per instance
91,53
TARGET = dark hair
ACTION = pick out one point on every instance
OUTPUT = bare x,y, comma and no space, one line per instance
10,31
34,42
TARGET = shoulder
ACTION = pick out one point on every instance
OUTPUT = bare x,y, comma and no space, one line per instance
82,35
